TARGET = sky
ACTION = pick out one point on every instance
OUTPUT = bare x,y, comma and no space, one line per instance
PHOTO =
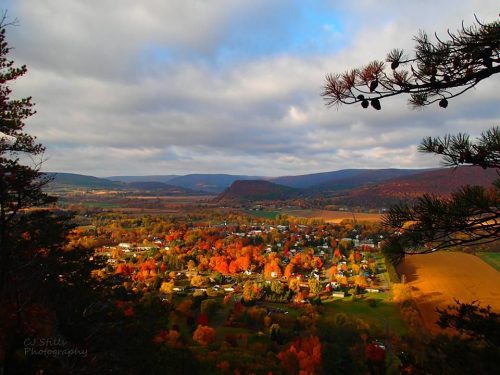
149,87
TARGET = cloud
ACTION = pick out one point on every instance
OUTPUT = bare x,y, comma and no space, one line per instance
163,87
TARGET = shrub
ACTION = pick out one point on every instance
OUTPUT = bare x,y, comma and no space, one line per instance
210,307
391,270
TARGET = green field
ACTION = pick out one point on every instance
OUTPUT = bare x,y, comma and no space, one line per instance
493,259
264,214
100,205
380,316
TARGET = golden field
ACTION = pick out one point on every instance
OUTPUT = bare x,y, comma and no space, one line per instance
439,278
334,216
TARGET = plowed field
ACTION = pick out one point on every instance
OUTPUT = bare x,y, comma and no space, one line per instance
438,278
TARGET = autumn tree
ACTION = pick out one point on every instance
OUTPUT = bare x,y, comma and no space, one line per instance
314,286
289,270
204,335
294,284
303,356
198,281
251,291
277,287
167,287
437,72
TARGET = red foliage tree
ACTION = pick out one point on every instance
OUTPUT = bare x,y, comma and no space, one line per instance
303,356
204,335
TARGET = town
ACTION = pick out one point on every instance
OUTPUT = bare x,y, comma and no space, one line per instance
309,260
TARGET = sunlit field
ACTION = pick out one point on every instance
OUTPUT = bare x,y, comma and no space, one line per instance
437,279
334,216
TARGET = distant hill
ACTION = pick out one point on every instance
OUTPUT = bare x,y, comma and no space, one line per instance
211,183
153,178
440,181
257,190
343,179
346,178
78,181
308,180
325,181
81,181
160,188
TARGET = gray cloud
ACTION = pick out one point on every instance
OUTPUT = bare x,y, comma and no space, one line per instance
163,87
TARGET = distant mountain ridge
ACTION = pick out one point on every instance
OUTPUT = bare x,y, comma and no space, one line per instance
78,181
361,177
344,178
440,182
407,185
210,183
160,188
324,181
83,181
151,178
351,187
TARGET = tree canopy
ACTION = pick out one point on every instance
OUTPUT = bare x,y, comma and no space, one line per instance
438,71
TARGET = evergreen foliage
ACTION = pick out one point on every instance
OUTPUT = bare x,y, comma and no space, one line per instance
439,70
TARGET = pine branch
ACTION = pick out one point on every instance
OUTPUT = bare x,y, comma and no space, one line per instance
439,71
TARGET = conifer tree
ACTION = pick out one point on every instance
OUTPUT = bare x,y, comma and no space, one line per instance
438,71
21,181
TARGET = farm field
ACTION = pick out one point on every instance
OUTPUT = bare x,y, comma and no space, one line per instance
379,314
333,216
493,259
263,214
437,279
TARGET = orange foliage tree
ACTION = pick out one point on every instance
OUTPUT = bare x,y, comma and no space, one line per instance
204,335
251,291
289,270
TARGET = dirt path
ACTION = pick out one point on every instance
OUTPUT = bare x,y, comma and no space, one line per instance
436,279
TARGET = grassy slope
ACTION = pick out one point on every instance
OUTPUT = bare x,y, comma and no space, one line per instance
493,259
384,316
